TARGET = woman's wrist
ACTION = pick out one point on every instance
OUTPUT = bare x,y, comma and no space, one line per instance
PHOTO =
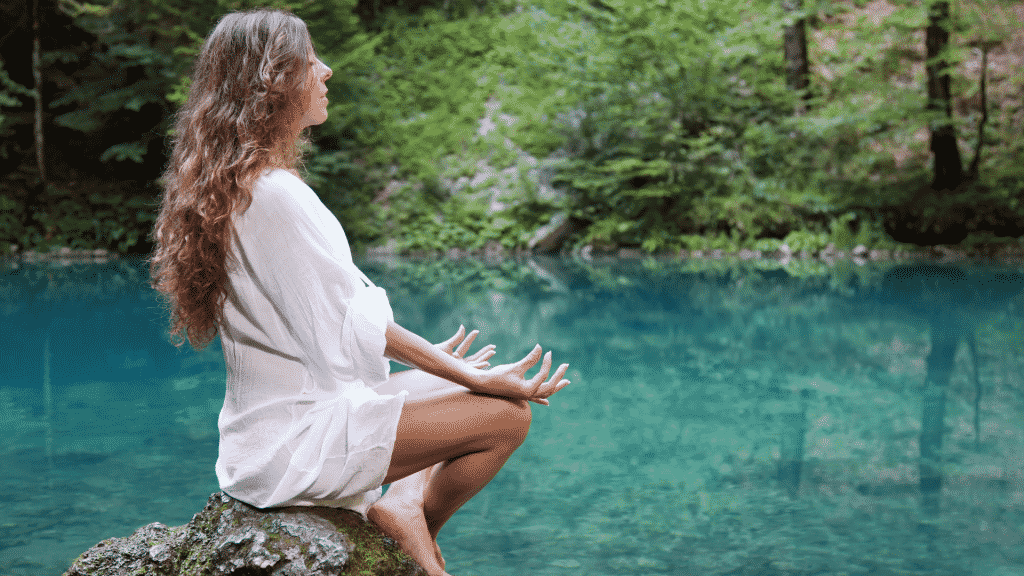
414,351
469,377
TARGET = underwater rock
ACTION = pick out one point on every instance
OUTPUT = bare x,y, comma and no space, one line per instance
230,537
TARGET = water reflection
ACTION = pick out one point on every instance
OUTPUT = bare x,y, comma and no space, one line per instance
953,301
725,418
833,388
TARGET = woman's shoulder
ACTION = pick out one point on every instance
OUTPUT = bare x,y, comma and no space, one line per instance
276,186
280,178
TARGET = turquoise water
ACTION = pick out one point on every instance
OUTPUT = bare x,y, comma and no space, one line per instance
724,418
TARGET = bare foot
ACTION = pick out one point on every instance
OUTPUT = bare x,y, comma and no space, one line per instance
406,525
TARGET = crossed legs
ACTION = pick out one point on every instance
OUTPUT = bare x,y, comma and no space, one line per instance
450,443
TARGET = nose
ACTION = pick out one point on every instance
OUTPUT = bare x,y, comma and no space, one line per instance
327,73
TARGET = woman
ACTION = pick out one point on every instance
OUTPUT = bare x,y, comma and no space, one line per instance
244,248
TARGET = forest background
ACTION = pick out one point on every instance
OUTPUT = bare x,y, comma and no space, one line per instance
553,125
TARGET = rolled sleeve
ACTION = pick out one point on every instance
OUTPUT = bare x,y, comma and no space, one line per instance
365,339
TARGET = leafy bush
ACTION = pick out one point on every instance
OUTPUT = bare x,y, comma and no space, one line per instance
672,120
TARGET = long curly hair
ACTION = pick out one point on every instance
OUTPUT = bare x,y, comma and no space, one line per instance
237,122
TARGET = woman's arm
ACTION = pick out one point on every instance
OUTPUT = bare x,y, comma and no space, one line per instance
507,380
413,350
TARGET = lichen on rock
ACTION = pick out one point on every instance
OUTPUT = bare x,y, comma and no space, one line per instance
229,537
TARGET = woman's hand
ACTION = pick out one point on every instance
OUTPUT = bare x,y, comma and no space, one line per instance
446,360
477,360
509,380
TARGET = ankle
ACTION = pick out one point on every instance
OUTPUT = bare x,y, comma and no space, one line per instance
398,502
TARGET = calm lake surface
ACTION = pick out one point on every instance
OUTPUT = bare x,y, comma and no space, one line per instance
724,418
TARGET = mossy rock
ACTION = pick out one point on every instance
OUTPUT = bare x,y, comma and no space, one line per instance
230,537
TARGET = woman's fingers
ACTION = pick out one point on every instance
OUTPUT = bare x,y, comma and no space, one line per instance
556,383
561,384
542,375
480,357
449,344
558,376
482,354
464,347
527,362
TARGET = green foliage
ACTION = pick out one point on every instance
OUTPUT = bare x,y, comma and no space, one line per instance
9,90
119,78
457,223
670,101
133,151
671,120
429,95
124,70
109,219
802,240
11,218
116,221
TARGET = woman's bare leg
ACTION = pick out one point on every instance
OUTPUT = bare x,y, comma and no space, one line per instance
405,494
450,444
400,515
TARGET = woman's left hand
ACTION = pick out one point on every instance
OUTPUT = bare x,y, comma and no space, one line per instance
459,344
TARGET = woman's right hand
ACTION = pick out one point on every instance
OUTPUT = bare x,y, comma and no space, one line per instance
460,339
509,380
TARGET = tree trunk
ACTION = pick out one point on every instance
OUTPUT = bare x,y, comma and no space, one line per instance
972,171
37,76
948,166
795,48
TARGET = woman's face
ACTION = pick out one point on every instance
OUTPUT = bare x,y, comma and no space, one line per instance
314,97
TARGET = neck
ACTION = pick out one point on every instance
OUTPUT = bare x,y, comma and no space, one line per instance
283,156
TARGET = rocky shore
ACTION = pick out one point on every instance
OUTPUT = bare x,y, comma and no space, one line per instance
63,256
229,537
859,255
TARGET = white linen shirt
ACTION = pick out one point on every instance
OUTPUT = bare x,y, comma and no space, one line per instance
303,340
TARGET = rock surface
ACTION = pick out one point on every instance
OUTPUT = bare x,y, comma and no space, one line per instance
230,537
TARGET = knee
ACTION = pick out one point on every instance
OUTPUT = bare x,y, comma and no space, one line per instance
513,421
